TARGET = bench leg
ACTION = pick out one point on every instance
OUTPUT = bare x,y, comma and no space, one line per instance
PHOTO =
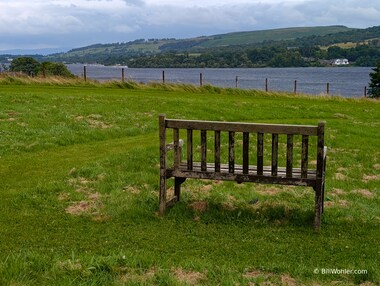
177,187
162,194
318,207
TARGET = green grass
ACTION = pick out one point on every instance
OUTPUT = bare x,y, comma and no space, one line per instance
79,191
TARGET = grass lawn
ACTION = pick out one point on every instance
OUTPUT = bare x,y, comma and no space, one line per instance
79,173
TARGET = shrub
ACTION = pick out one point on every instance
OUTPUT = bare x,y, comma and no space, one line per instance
374,86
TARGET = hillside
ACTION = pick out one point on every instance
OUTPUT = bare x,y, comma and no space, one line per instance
102,52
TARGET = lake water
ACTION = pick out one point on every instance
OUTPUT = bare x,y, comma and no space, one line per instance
345,81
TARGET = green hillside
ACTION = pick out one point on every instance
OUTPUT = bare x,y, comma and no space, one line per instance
101,52
241,38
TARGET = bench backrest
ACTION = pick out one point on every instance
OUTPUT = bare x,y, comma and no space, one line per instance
232,128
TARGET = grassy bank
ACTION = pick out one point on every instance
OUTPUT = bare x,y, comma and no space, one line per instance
79,186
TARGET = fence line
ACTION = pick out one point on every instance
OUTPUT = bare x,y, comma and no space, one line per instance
266,86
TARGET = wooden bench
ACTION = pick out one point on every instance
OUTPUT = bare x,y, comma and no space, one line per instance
216,169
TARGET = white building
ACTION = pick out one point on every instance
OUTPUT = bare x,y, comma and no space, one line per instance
340,62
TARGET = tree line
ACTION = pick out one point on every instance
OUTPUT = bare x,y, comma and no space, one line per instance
32,67
272,56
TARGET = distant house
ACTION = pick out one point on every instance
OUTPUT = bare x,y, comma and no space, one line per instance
340,62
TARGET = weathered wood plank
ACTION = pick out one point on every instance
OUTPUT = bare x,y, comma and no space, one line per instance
217,151
260,153
189,149
177,153
289,155
304,156
245,152
274,154
231,151
242,127
162,138
241,178
320,149
204,150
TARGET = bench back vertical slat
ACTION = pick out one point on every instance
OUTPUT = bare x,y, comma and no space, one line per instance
190,149
217,150
231,151
260,153
177,153
274,154
289,156
304,156
245,153
203,150
320,149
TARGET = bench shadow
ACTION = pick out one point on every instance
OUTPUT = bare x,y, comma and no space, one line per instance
260,212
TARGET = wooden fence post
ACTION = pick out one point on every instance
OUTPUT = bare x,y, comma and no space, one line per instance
122,75
266,84
163,77
201,79
85,73
328,88
365,91
295,87
236,81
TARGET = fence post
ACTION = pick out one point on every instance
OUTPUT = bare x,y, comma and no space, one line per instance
163,77
365,91
201,79
85,73
266,84
122,75
295,87
236,81
328,88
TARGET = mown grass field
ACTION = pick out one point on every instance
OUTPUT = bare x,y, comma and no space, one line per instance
79,173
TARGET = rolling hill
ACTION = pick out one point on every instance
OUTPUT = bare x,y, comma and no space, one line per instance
99,52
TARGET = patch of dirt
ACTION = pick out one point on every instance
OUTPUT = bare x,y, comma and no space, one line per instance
337,192
11,119
376,166
63,197
200,206
140,278
364,193
189,277
91,205
286,280
228,206
94,121
253,274
132,190
340,177
339,203
367,178
206,188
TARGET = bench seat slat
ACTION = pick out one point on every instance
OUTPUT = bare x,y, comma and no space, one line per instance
252,170
240,177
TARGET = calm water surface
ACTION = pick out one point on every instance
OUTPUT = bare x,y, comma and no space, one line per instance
345,81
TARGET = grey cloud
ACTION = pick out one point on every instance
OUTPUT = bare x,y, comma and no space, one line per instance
78,25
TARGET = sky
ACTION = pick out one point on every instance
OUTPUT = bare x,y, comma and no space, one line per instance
65,24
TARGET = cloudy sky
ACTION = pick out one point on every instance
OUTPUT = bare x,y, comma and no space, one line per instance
36,24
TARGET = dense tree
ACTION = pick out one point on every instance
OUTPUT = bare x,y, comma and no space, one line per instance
27,65
57,69
374,86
